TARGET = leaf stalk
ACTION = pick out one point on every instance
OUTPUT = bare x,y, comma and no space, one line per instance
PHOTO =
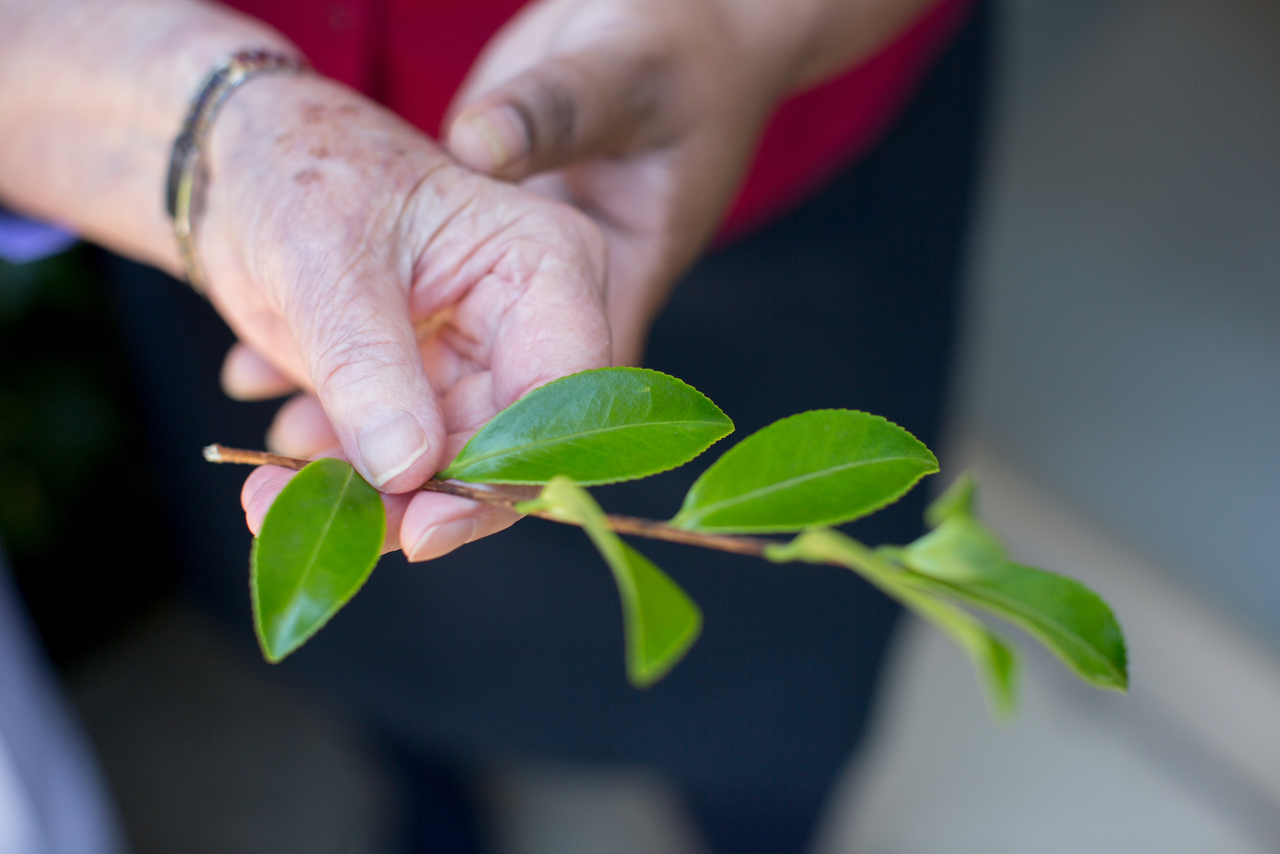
629,525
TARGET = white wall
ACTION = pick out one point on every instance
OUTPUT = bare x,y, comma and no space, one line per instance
1120,399
1125,334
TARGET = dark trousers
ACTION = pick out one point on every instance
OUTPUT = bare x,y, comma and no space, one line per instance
513,645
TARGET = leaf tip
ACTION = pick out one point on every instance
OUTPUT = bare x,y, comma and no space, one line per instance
645,672
268,655
270,651
1117,681
1001,682
956,499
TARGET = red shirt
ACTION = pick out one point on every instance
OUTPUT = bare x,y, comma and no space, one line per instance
413,54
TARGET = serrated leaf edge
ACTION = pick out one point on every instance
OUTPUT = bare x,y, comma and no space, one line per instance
449,474
680,520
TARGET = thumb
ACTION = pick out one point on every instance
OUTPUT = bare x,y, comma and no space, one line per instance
362,355
564,109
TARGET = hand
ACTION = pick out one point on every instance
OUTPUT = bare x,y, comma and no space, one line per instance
649,163
642,115
414,298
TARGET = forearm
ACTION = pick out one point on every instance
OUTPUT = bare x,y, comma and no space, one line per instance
92,94
807,41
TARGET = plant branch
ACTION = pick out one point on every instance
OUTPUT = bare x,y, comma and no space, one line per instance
648,528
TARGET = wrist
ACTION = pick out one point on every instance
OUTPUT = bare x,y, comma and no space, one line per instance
184,50
773,38
199,44
90,145
800,43
839,33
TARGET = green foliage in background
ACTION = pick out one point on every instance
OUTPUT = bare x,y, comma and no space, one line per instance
73,473
58,415
803,474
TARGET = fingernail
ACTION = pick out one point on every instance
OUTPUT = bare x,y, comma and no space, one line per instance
390,445
502,133
443,538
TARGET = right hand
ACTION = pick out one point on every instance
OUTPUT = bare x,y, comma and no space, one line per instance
643,115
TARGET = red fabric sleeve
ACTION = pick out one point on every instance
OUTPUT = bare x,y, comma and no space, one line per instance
817,132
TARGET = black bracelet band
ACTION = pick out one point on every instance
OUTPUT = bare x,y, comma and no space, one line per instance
184,190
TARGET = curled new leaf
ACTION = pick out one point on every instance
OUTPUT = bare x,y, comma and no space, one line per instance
660,620
600,426
992,656
318,543
824,467
960,549
955,500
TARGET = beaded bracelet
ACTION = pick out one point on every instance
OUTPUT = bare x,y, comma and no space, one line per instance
184,192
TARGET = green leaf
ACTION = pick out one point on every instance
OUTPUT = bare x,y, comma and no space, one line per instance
660,620
824,467
317,546
956,500
960,549
1072,621
600,426
992,655
963,559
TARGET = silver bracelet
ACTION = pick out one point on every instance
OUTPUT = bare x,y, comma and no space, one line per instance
184,192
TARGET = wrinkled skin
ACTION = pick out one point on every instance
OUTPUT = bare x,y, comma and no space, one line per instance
328,281
641,115
648,169
409,294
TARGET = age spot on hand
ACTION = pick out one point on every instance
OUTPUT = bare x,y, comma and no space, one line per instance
307,177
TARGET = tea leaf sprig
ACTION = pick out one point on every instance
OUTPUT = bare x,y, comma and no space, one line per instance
800,475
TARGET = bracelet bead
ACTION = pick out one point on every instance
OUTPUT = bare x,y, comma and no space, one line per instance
184,190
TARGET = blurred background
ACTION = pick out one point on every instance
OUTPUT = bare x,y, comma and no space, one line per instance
1119,397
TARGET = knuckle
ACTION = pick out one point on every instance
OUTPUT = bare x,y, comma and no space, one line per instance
355,357
560,238
583,233
550,113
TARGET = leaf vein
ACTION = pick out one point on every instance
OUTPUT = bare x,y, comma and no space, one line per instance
1066,634
320,540
511,449
708,509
